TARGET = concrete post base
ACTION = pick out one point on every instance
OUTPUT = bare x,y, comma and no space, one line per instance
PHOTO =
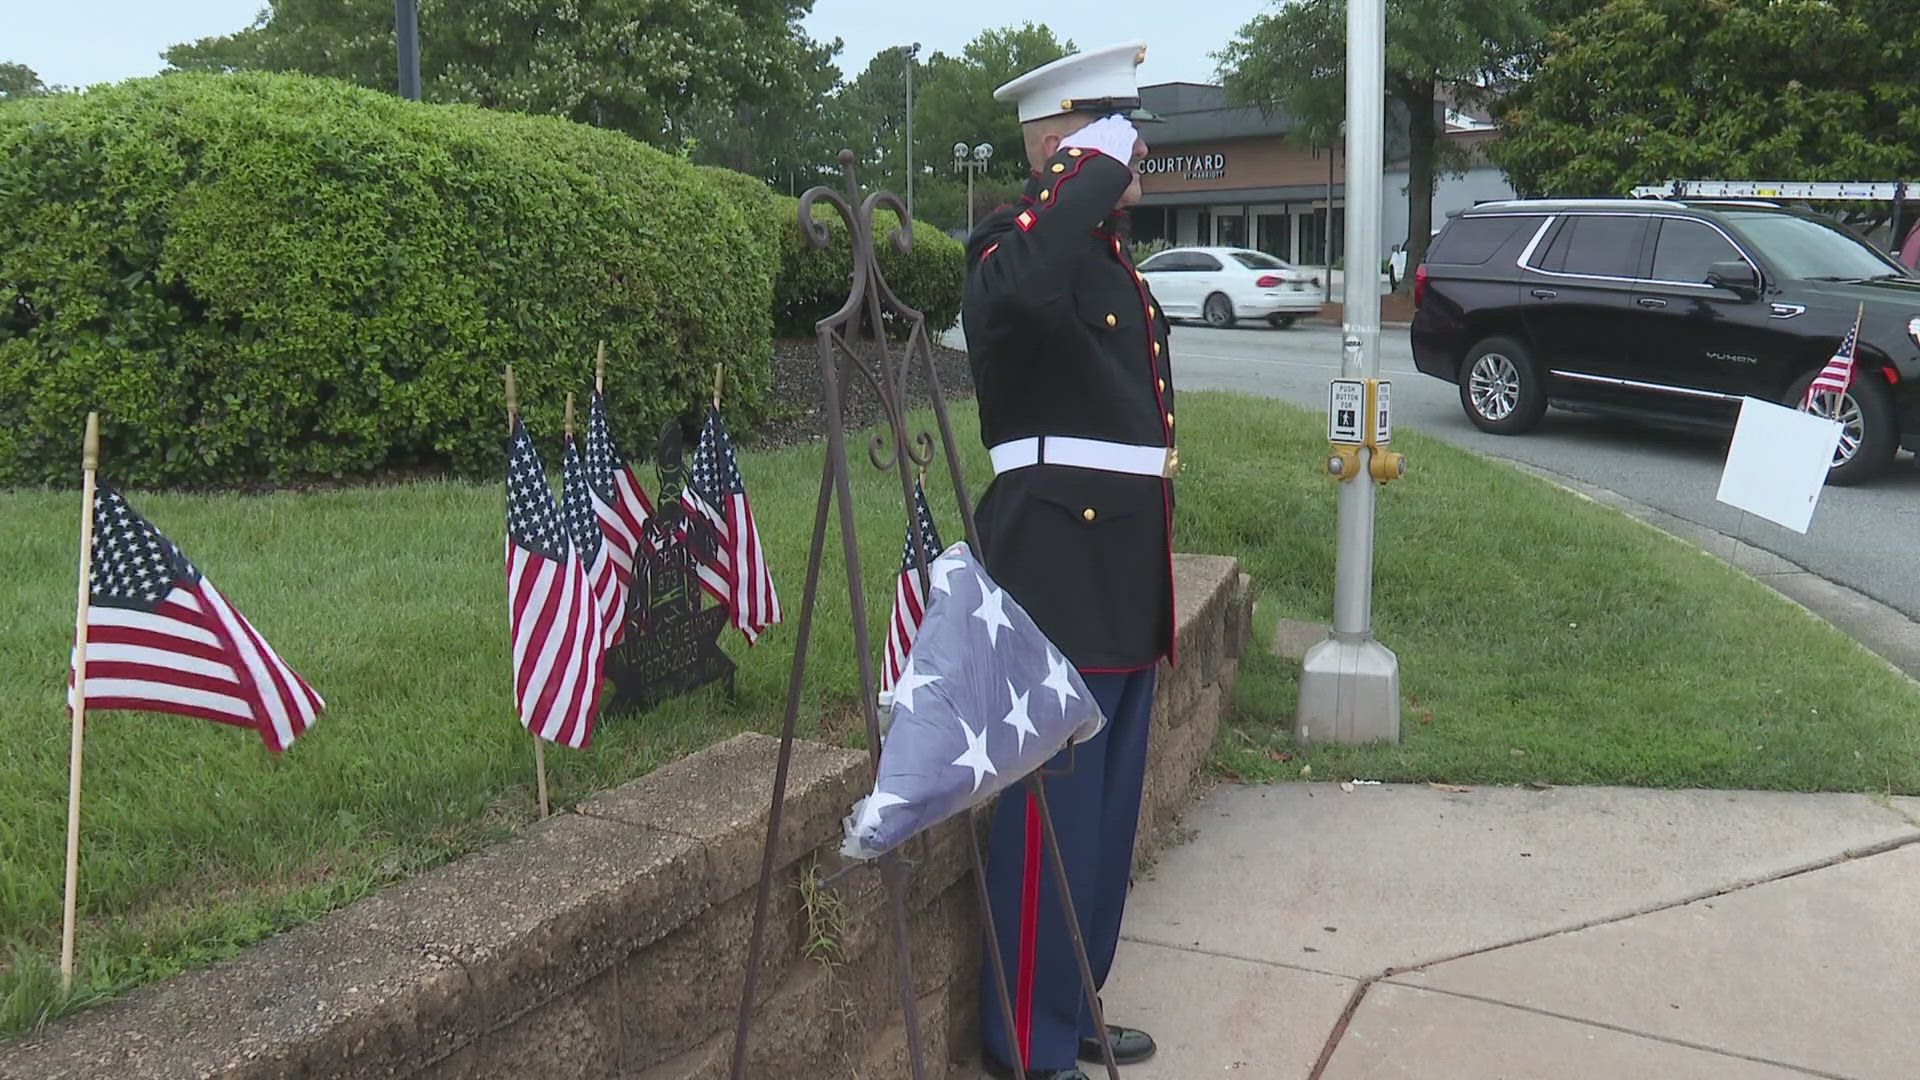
1349,693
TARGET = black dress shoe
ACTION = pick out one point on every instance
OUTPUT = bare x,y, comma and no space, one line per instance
1005,1072
1130,1046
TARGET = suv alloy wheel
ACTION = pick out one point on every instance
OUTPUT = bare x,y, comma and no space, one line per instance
1500,387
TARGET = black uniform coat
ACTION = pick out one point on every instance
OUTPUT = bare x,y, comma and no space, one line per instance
1065,338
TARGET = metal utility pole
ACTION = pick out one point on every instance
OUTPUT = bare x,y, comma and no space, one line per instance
911,51
406,36
1350,683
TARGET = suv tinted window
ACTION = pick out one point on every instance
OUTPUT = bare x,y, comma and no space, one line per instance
1686,250
1811,250
1471,241
1597,245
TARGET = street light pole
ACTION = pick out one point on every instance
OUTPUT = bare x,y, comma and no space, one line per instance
911,51
406,38
1350,683
980,156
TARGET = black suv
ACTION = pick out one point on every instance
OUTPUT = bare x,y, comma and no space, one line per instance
1668,311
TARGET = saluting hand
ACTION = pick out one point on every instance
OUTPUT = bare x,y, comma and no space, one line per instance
1114,136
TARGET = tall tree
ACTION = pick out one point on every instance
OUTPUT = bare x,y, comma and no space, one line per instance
791,141
955,102
18,81
646,67
870,116
1294,62
1642,91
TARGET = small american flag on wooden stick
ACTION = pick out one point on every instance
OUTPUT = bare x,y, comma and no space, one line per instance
909,598
160,638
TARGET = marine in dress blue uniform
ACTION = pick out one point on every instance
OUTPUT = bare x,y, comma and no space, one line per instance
1070,365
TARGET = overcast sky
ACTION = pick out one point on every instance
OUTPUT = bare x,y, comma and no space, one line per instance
81,42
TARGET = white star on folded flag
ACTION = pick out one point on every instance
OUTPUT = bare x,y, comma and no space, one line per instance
965,720
1060,678
992,612
161,638
1017,717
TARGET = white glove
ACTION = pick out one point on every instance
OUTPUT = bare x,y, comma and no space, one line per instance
1113,136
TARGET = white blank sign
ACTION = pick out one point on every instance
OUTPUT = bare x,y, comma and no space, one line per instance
1778,462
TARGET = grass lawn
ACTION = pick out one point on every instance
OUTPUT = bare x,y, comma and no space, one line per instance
1541,637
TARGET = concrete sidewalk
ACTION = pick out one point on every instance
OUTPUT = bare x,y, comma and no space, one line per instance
1402,931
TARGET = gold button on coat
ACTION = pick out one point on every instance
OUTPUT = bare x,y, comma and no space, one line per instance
1087,514
1156,348
1152,311
1057,167
1112,319
1045,195
1162,384
1169,419
1075,152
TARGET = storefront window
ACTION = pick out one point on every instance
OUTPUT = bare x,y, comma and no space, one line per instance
1232,231
1313,242
1276,235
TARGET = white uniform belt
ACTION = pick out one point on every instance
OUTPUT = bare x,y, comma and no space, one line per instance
1085,454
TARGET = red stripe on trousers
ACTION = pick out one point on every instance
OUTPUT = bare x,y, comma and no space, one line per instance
1029,934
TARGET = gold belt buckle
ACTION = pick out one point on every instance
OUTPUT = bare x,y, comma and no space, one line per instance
1172,465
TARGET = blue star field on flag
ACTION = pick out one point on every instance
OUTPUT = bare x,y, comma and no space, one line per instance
984,700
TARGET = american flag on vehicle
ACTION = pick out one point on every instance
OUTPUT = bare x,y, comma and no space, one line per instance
1837,375
552,616
161,638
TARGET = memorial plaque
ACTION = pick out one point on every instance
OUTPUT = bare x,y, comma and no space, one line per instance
672,644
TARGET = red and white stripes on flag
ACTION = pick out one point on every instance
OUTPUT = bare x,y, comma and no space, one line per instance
621,508
909,598
161,638
1837,375
553,617
737,574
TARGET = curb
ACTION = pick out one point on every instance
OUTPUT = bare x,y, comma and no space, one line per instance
1882,630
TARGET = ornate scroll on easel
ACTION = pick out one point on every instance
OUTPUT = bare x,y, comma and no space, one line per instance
672,644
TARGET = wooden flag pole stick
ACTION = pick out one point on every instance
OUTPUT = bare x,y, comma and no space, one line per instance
718,371
569,421
89,464
539,749
600,367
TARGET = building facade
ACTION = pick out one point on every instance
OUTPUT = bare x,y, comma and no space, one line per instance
1228,175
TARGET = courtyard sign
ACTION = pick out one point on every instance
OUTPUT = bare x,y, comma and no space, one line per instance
1195,166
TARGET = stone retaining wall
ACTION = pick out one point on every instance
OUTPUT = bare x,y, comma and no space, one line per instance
609,941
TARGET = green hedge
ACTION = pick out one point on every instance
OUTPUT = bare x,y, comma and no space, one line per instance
813,282
272,277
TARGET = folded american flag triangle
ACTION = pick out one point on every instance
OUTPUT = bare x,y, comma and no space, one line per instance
984,699
161,638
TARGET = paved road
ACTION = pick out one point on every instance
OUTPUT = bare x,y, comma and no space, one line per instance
1867,538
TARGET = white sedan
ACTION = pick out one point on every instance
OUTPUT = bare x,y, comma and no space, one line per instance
1224,284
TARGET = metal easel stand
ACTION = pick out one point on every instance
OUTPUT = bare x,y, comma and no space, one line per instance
869,303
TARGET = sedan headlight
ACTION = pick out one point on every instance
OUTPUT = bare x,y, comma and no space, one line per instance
1913,329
